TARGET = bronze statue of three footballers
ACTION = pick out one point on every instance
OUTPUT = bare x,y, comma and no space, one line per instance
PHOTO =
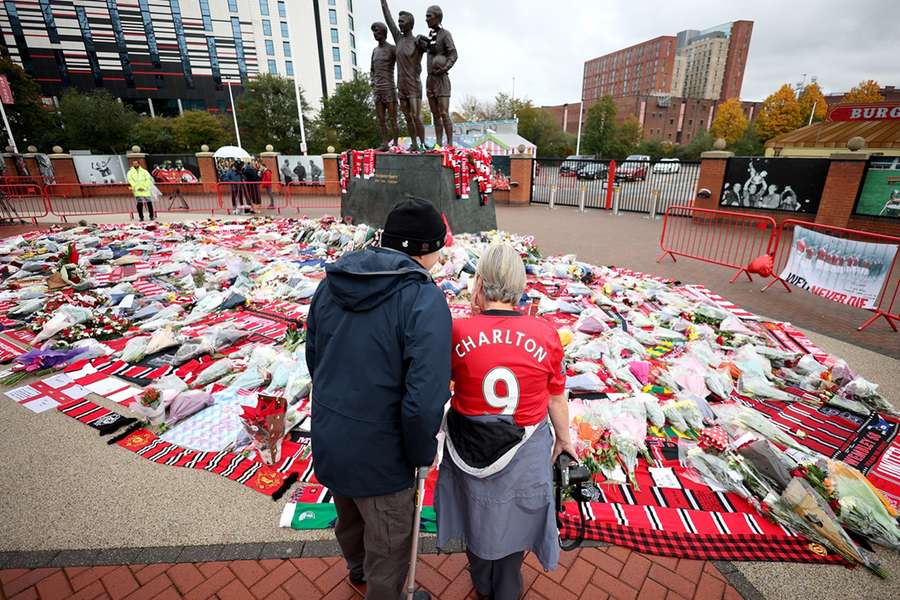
407,56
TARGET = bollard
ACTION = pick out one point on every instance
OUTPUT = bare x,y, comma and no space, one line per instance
615,205
552,196
581,197
654,200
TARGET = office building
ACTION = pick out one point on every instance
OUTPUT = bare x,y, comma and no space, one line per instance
707,64
167,56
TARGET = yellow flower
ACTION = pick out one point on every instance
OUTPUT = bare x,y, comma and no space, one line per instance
565,336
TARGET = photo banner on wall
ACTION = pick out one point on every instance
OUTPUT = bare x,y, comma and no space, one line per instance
880,194
845,271
174,168
296,169
787,184
99,168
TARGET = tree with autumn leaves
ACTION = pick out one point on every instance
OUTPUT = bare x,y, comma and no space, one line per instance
730,122
864,92
813,103
780,112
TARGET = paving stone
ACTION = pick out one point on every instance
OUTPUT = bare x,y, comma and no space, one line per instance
430,579
27,580
74,558
88,592
709,588
551,589
240,552
690,569
248,571
330,578
635,570
195,554
652,590
321,549
26,594
671,580
273,579
281,550
150,572
119,583
90,575
235,591
209,568
579,575
212,585
185,576
54,586
118,556
152,589
27,560
342,591
7,575
160,554
612,586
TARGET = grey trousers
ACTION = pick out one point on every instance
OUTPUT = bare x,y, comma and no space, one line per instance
499,579
375,535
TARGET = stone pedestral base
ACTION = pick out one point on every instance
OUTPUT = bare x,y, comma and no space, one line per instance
421,175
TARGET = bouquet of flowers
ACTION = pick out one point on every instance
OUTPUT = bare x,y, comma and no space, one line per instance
40,362
862,507
264,423
150,406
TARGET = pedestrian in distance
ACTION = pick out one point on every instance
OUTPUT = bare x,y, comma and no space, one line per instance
266,179
140,181
495,483
378,351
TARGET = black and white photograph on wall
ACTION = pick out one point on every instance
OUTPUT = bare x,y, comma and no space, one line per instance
301,169
99,168
788,184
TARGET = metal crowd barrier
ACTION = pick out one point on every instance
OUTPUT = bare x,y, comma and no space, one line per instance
309,194
719,237
843,262
22,201
83,199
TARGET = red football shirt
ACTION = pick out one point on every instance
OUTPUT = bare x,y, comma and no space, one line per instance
506,363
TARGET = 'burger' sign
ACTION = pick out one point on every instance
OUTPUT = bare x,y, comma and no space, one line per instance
883,111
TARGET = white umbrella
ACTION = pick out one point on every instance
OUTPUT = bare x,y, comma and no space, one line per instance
231,152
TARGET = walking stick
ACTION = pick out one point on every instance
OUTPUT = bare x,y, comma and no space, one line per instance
421,476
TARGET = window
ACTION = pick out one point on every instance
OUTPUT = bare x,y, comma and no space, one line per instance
239,46
273,68
175,7
350,21
113,9
49,21
267,27
337,72
352,41
332,16
264,7
204,12
336,54
214,59
287,48
232,5
353,58
285,32
282,10
270,48
334,35
86,36
331,3
289,68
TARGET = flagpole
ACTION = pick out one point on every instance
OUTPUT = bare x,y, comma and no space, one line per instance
287,16
578,141
9,133
237,130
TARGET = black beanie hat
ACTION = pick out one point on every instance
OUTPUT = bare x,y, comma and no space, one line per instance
415,227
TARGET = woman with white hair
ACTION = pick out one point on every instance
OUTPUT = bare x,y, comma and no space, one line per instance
495,487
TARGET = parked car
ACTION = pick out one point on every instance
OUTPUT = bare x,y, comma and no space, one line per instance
570,166
633,168
667,165
592,170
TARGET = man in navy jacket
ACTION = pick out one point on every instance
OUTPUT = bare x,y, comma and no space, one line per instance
378,350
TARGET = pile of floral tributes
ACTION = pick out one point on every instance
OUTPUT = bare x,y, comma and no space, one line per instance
711,433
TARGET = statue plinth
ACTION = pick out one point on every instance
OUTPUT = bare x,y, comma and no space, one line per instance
424,176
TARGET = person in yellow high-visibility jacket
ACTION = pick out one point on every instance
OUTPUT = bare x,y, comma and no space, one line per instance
141,183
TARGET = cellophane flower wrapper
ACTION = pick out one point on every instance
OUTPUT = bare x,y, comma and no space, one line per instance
690,412
65,317
716,472
847,404
752,384
265,424
214,372
135,349
162,339
26,307
863,508
655,413
817,522
719,382
187,403
866,392
674,417
40,359
163,318
747,418
92,349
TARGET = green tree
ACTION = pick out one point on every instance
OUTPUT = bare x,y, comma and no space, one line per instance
427,118
701,143
748,144
507,107
347,119
625,138
197,127
780,113
96,121
30,121
811,98
267,114
865,91
654,148
540,129
598,129
153,135
730,122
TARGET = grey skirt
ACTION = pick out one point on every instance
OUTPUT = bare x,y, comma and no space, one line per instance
510,511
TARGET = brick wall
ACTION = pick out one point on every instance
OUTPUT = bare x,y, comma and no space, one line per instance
712,176
839,192
882,226
64,168
521,168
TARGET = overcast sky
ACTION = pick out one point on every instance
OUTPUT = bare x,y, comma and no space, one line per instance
544,44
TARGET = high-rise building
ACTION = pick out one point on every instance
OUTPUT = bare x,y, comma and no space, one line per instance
707,64
167,56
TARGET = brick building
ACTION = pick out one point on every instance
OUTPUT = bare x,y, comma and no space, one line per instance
890,93
707,64
565,115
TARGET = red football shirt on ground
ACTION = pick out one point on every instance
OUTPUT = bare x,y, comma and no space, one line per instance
506,363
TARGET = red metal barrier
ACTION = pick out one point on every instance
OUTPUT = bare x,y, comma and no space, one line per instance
22,179
310,194
238,197
187,198
887,297
22,201
610,184
719,237
82,199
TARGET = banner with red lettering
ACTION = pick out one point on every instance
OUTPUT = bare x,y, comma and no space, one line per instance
846,271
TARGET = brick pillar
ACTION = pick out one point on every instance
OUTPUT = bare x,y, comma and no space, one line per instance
270,161
32,165
10,165
64,168
844,176
712,177
208,176
521,168
332,177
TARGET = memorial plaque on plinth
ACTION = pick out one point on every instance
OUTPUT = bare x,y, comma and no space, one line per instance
421,175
